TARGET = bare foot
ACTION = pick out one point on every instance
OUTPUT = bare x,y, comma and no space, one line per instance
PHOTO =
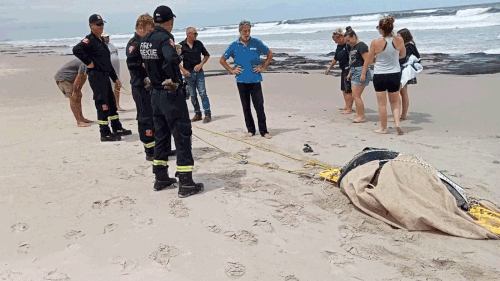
380,131
391,119
249,134
347,111
82,124
403,118
359,120
120,109
267,136
342,108
400,131
87,120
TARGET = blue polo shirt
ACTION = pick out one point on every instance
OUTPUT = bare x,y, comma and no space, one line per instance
247,57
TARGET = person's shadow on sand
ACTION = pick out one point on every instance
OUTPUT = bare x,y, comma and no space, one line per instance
275,132
418,118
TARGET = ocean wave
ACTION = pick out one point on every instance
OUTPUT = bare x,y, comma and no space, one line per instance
425,11
368,18
492,51
472,12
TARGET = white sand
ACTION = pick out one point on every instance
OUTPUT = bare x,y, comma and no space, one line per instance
74,208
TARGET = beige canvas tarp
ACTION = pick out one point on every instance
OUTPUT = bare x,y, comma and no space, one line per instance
410,196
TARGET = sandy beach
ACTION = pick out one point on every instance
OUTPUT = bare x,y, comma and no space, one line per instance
74,208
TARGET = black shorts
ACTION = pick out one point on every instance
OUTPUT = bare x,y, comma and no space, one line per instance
387,82
345,85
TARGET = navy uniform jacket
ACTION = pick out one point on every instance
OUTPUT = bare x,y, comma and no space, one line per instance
93,49
160,57
134,61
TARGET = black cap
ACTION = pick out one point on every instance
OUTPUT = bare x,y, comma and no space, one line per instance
96,19
163,14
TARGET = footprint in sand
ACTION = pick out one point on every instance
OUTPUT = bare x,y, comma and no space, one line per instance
291,278
143,222
121,202
214,228
123,174
110,227
178,209
56,276
234,269
73,234
264,225
286,219
337,259
163,254
442,263
344,232
73,247
19,227
126,264
287,213
24,248
243,236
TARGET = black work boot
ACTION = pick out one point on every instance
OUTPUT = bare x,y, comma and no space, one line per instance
118,129
106,134
122,132
163,180
150,153
187,186
111,137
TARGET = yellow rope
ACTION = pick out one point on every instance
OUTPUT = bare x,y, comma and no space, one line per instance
127,92
306,163
264,165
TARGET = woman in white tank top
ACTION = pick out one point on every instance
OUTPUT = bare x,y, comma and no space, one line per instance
386,51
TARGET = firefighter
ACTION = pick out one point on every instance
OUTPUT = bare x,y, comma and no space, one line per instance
94,53
170,111
141,87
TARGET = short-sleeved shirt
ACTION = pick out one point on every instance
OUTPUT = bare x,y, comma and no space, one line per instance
192,56
247,57
355,58
115,61
69,70
342,55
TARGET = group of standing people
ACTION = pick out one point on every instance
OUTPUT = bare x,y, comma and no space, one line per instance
157,66
388,53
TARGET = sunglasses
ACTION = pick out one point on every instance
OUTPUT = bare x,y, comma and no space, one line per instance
195,33
100,24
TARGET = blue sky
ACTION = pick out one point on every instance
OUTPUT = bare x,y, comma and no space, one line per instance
36,19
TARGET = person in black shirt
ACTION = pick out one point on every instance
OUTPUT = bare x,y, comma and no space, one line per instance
359,73
342,57
192,68
170,112
411,49
140,82
94,53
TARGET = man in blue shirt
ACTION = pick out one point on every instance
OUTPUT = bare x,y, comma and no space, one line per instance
246,52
